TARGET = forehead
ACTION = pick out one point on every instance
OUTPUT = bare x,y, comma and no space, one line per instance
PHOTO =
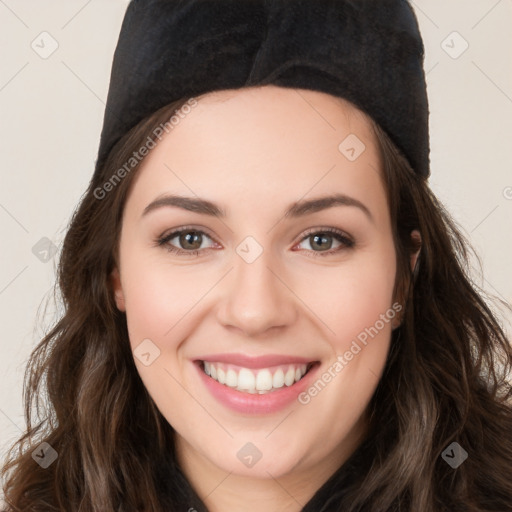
268,144
311,110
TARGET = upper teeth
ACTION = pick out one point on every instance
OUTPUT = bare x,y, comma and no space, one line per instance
255,381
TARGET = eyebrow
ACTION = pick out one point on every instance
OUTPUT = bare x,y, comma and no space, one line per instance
295,210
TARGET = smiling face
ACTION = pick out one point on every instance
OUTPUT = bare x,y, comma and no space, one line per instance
273,277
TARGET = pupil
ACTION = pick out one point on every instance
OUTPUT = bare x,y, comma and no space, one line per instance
323,238
186,239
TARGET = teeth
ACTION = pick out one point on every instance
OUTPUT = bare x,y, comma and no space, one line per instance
231,378
263,381
255,381
278,379
289,378
246,380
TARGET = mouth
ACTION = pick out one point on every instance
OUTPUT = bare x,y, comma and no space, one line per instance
256,381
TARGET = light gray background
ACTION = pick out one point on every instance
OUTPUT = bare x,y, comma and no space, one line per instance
51,112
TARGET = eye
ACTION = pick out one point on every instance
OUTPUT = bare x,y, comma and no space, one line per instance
322,238
189,239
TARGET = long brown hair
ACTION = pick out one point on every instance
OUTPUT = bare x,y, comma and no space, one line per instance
445,377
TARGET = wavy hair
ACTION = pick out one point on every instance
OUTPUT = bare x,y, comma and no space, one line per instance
445,378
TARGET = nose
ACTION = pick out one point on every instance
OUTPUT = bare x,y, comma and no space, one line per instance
257,297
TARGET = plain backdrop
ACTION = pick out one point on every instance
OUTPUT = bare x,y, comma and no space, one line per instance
51,112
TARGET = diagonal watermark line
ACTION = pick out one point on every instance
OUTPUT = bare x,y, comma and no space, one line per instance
301,300
14,76
315,109
285,490
216,487
165,165
1,410
74,16
83,82
425,14
2,2
374,169
492,81
485,218
497,291
198,301
432,68
12,280
107,107
280,423
486,14
200,404
13,217
311,188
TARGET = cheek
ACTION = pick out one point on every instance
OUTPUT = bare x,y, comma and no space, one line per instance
358,315
354,296
157,296
160,302
358,312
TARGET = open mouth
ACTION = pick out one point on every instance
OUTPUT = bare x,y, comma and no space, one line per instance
256,381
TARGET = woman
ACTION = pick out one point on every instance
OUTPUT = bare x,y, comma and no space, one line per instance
265,304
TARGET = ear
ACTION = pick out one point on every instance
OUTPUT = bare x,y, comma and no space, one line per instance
416,248
118,290
416,243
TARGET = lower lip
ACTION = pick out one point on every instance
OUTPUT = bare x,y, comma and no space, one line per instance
248,403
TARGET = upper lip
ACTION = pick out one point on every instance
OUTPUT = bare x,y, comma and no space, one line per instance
253,362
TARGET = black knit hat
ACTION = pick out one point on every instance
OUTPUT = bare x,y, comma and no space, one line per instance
369,52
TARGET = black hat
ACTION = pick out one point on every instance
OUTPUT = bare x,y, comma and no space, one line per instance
369,52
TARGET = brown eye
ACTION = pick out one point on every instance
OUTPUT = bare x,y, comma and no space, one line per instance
321,241
188,241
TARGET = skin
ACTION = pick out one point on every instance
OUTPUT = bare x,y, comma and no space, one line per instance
254,152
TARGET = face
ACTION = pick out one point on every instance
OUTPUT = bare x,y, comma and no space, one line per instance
285,263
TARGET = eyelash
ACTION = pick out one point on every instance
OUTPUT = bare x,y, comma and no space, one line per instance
340,236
